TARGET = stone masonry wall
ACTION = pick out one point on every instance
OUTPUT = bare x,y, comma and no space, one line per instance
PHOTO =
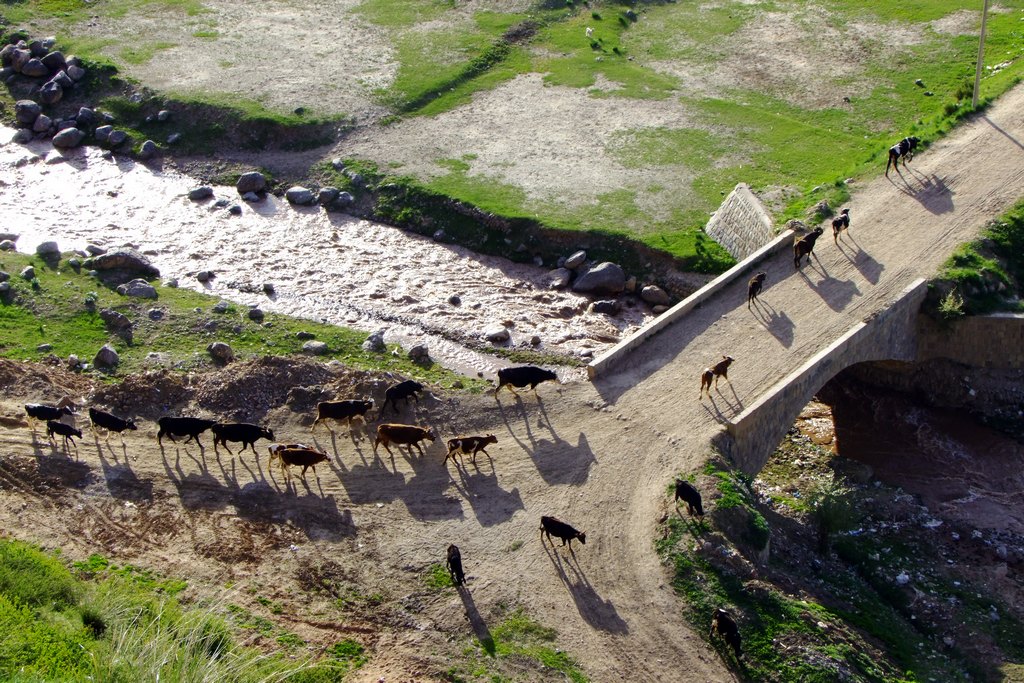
984,341
741,224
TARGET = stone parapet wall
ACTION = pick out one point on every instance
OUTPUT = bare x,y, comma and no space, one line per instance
983,341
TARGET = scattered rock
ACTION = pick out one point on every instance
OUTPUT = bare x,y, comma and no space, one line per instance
254,181
316,348
419,352
343,200
43,348
106,357
604,278
48,249
7,245
173,138
22,136
102,133
235,210
455,300
42,124
302,335
659,309
256,314
148,150
268,288
655,295
28,272
205,275
221,352
163,115
4,276
34,68
535,340
496,333
559,278
94,250
75,72
220,307
172,283
606,307
575,260
199,193
155,314
68,138
137,288
299,195
251,197
115,320
5,287
123,259
117,138
326,195
375,342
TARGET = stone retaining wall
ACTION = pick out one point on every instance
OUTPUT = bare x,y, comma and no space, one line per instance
983,341
741,224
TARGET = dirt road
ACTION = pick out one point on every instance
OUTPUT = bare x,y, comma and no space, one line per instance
598,456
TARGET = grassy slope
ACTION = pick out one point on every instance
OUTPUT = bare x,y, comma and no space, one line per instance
55,313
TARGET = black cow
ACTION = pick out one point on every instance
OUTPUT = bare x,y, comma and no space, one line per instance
522,376
401,390
44,413
904,148
341,410
67,431
191,427
109,422
754,287
686,491
549,526
805,246
454,564
242,432
723,623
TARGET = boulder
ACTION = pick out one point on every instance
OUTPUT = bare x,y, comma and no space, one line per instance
68,138
116,138
7,245
5,287
655,295
51,93
375,342
114,320
106,357
148,150
75,72
37,48
604,278
28,272
606,307
137,288
200,193
155,314
496,333
254,181
344,199
42,124
575,260
302,196
268,288
94,250
256,314
221,352
62,79
163,115
34,68
103,133
419,352
124,259
26,111
205,275
50,248
4,276
251,197
316,348
54,61
19,58
303,335
22,136
326,195
558,278
220,307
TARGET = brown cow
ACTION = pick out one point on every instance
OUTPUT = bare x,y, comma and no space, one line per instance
804,246
754,287
719,369
403,435
300,457
469,444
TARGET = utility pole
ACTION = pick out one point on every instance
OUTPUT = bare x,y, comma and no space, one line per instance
981,59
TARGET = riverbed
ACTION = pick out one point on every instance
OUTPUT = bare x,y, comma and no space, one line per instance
329,267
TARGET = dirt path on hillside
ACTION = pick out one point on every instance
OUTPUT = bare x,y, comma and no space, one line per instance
597,455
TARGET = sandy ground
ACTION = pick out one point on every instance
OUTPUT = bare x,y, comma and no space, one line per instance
597,455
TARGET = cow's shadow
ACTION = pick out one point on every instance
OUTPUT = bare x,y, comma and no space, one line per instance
490,503
778,323
557,460
122,482
599,613
836,293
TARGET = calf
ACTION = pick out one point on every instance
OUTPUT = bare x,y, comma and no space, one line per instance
686,491
840,223
300,457
754,287
67,431
719,369
804,246
191,427
44,413
244,432
111,423
341,410
723,624
275,448
401,390
549,526
469,444
454,564
521,376
403,435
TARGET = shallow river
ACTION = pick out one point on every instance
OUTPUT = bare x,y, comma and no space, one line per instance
327,267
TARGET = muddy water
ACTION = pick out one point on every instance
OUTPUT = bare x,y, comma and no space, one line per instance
326,267
961,469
